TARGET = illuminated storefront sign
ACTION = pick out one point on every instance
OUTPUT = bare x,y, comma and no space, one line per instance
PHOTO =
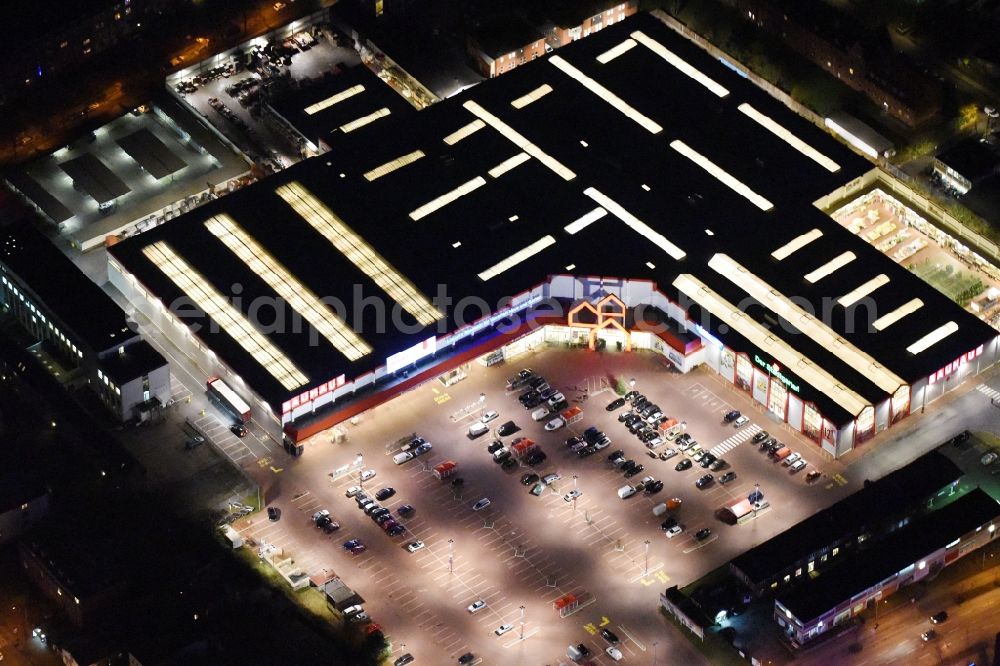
775,370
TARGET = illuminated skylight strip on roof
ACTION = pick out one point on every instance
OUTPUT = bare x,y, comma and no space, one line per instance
334,99
678,62
208,299
359,252
932,338
796,244
299,297
518,139
616,51
464,131
508,164
887,320
535,95
635,223
605,94
721,174
517,257
447,198
364,120
795,142
582,223
851,139
814,329
829,267
855,295
725,312
392,165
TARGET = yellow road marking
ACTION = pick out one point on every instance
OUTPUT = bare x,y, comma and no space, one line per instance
662,577
277,469
590,627
605,621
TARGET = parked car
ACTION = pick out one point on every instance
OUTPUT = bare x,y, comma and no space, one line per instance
402,457
476,606
683,465
741,421
403,660
367,474
503,629
537,489
989,458
703,534
555,424
635,470
385,493
626,491
414,546
653,488
731,416
717,465
674,531
273,513
353,490
813,474
799,464
928,635
551,478
939,617
615,404
481,504
707,460
704,481
727,477
494,446
529,478
238,429
791,458
406,510
508,428
320,515
572,495
489,416
535,458
761,436
667,454
609,636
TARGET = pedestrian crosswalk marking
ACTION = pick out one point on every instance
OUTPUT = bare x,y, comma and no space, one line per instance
734,441
988,391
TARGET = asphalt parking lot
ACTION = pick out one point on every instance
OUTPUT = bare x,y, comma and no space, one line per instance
526,550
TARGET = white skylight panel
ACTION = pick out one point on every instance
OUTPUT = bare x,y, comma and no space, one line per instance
721,174
582,223
299,297
517,257
606,95
448,197
393,165
616,51
635,223
796,244
887,320
518,139
364,120
681,64
782,352
334,99
813,328
535,95
508,164
464,131
359,252
829,267
216,306
932,338
795,142
855,295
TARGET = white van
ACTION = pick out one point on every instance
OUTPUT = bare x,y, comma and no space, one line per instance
539,414
478,429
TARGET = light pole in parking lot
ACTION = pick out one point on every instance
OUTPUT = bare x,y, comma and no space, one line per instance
360,462
575,477
655,643
451,543
631,383
645,568
482,404
522,622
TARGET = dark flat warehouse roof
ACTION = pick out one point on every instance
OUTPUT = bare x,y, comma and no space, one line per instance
865,567
151,153
891,496
606,150
505,34
63,288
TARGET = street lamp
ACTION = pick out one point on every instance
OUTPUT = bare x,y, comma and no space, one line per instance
522,622
451,543
360,462
631,383
646,566
482,404
575,477
655,643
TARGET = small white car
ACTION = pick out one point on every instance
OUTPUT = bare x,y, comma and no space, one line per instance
674,531
555,424
614,653
741,421
549,479
503,629
319,515
367,474
353,490
793,458
667,454
989,458
352,610
556,399
481,504
403,457
799,464
414,546
572,495
626,491
489,416
476,606
539,413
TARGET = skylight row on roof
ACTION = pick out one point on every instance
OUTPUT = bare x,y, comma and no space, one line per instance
795,142
856,294
299,297
831,266
535,95
721,174
582,223
393,165
334,99
616,51
932,338
887,320
726,312
681,64
635,223
464,131
508,164
603,93
813,328
448,197
208,299
796,244
359,252
516,258
519,140
364,120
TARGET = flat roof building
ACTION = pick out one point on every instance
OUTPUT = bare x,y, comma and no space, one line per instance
574,177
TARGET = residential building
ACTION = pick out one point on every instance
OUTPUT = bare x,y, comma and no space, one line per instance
504,43
24,500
